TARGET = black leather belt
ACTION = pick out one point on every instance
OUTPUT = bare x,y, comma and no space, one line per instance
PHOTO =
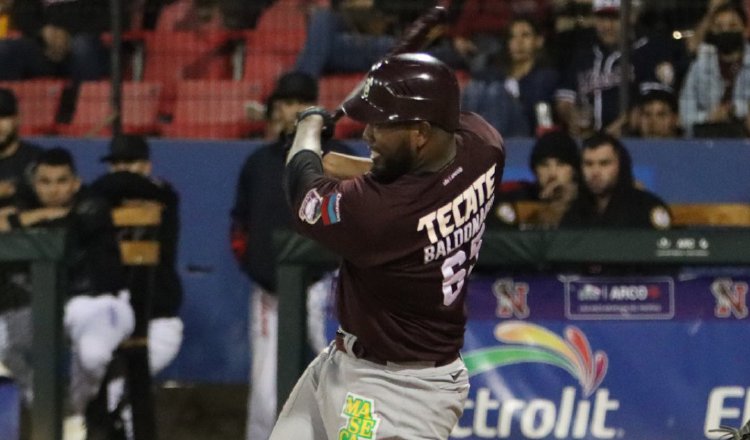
359,352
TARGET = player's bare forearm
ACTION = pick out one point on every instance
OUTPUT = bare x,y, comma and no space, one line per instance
307,137
344,166
39,215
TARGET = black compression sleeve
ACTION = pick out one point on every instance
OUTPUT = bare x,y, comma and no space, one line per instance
300,172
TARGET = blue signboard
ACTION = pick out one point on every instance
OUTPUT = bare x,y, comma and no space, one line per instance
633,358
606,358
10,410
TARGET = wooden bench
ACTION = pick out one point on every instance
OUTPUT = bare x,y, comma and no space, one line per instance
137,224
710,214
683,214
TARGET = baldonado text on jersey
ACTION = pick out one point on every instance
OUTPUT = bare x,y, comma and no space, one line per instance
459,220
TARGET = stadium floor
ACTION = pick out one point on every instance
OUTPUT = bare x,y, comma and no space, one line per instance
198,412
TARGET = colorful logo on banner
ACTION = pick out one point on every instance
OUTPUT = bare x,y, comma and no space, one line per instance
512,298
532,343
731,298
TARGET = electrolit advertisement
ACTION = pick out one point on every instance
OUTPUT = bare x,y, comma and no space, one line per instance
556,357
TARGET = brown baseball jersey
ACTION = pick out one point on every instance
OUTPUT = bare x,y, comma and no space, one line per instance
408,246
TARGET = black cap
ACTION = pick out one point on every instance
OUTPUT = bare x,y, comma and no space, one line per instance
8,103
127,148
296,85
557,144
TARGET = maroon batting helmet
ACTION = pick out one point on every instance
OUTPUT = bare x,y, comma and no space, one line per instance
407,87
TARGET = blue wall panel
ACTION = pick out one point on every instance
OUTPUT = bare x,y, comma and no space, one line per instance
216,293
10,410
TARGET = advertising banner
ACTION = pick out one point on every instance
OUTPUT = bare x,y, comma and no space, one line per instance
656,358
10,410
632,358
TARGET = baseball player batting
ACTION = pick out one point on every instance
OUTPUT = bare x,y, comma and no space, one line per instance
409,233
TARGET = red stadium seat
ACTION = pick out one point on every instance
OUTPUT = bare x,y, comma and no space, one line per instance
215,109
38,104
140,104
283,16
280,33
173,56
333,90
280,42
264,68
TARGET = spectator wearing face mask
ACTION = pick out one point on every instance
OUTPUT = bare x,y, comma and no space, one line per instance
717,87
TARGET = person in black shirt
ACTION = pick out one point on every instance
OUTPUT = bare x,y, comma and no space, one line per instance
129,181
97,315
259,210
59,38
17,157
609,196
555,162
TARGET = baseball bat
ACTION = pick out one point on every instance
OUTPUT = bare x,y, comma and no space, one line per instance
418,35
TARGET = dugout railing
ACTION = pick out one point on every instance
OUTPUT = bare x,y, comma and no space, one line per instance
44,251
301,259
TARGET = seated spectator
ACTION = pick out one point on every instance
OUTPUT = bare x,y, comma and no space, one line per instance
97,315
657,115
204,15
717,87
554,161
588,98
346,38
17,157
703,26
480,26
352,35
508,98
60,39
189,15
608,196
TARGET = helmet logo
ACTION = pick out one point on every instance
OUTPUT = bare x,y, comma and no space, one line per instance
366,88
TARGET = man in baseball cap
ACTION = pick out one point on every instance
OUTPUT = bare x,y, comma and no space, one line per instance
294,92
260,210
127,148
129,181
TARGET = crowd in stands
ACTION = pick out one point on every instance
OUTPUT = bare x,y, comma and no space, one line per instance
520,63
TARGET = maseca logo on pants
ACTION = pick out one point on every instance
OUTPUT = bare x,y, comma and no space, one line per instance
361,420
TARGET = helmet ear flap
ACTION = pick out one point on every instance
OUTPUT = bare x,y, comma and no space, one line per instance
408,87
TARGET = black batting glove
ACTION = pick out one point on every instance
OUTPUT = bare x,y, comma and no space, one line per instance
329,123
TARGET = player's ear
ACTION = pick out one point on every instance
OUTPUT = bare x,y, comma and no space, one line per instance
420,134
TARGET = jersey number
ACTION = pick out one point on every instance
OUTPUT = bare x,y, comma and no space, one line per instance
457,267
